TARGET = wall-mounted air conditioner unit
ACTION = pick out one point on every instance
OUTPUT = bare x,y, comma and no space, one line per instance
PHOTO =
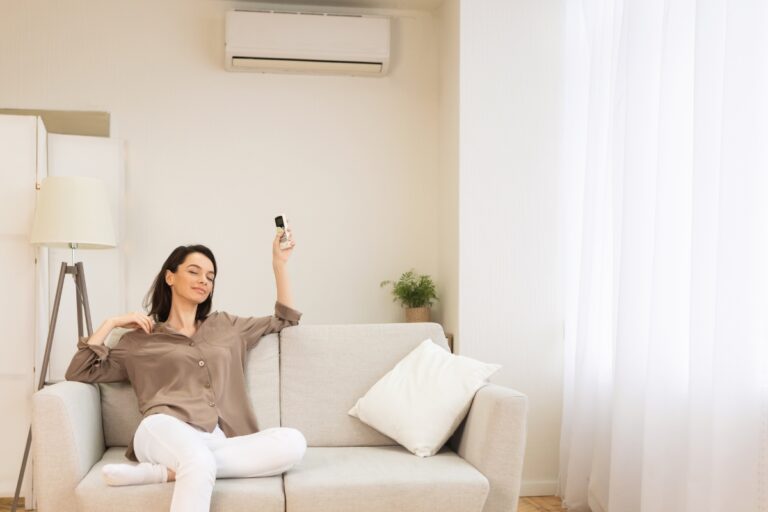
306,43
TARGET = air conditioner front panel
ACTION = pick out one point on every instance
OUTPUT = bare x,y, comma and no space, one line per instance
306,38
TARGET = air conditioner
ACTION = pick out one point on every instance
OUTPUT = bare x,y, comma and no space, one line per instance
301,42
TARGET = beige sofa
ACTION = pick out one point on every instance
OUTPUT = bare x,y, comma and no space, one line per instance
307,377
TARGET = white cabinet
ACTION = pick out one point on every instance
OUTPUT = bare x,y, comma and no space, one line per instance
22,165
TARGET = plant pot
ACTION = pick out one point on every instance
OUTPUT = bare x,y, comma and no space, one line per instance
417,314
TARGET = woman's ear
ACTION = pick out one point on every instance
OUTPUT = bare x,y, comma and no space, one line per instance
169,278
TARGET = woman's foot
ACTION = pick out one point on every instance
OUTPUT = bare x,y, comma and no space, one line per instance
135,474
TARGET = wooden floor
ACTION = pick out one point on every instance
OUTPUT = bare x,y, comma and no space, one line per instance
533,504
5,504
540,504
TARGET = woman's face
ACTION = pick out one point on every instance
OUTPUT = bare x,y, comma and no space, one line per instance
193,280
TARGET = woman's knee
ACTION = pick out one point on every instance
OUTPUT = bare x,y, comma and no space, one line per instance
160,439
295,443
199,465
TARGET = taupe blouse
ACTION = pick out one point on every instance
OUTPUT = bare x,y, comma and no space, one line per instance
199,379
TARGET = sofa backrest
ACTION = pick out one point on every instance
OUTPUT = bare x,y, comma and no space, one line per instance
324,369
120,408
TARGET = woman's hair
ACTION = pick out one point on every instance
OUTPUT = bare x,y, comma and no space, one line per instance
158,299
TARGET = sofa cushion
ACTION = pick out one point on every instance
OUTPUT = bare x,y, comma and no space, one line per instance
262,375
383,479
120,407
119,413
421,401
324,369
229,495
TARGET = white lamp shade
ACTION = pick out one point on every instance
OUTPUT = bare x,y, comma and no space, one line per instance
73,210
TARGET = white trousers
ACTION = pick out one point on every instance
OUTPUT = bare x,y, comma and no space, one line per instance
198,458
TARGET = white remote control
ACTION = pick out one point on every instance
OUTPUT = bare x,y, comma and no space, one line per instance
281,223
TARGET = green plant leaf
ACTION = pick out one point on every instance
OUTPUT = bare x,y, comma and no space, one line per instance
413,290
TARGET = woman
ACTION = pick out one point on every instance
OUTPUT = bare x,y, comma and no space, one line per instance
186,366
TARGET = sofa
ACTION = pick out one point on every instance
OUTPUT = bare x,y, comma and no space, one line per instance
306,377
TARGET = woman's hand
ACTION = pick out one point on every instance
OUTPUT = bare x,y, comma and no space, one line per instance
280,256
130,320
134,321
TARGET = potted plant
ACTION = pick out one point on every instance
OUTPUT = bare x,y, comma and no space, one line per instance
415,293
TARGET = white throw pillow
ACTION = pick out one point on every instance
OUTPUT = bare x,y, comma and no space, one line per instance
424,398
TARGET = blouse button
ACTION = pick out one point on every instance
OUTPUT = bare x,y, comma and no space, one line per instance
201,363
207,384
191,343
211,404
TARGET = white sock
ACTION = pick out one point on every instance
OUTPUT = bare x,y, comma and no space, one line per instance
134,474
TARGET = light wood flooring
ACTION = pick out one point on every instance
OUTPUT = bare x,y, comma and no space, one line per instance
532,504
540,504
5,504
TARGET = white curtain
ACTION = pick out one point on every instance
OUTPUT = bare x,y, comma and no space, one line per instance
665,176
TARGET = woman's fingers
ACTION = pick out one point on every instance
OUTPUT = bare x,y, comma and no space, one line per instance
277,250
138,321
147,321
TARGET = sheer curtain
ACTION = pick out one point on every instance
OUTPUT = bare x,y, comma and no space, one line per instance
666,212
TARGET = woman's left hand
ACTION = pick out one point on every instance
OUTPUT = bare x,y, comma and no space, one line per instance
280,256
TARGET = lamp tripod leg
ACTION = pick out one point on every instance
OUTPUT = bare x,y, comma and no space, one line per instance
21,473
82,294
52,327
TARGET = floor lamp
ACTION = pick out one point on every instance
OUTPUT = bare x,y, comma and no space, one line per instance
73,213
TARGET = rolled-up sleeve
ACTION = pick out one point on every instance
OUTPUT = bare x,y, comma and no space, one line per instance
97,363
251,329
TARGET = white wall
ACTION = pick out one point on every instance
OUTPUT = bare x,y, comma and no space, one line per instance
509,309
212,156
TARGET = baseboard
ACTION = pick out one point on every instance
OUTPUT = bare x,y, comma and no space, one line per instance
538,488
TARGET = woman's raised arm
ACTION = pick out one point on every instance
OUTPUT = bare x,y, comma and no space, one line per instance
279,265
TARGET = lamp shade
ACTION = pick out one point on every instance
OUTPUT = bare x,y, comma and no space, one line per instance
73,210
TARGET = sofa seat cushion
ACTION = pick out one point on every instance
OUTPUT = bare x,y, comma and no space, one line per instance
383,479
230,495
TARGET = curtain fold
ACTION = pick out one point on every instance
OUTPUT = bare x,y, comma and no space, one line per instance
665,194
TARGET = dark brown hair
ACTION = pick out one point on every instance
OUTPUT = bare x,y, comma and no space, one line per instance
158,299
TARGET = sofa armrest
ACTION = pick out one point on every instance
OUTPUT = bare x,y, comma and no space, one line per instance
67,440
492,438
